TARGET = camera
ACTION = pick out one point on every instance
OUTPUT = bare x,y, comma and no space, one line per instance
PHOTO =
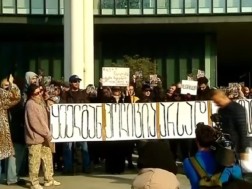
223,146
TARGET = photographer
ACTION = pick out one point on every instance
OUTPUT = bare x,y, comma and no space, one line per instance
205,138
234,123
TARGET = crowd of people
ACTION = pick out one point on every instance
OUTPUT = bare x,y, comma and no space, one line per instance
25,109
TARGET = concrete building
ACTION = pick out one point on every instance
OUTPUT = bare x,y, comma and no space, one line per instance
179,35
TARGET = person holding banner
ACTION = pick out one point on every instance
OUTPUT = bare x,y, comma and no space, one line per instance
115,151
147,93
234,122
75,95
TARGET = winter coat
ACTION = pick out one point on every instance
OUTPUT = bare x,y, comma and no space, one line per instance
8,98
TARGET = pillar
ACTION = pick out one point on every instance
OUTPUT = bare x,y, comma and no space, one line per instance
78,40
211,60
88,52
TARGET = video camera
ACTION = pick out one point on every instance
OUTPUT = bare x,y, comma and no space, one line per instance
223,145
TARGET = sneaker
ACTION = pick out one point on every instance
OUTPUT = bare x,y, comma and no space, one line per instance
52,183
37,186
20,182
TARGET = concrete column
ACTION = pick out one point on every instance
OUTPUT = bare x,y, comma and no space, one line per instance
88,15
208,58
67,39
79,40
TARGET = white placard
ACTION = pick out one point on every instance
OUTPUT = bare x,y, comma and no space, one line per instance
114,76
200,73
189,87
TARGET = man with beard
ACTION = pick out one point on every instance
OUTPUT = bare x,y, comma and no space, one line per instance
204,91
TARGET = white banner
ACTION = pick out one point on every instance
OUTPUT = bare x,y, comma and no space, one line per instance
125,121
114,76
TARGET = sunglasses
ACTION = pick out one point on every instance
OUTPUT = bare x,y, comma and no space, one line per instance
35,94
75,81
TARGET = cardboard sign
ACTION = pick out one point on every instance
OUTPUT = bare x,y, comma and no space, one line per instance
200,74
114,76
189,87
154,80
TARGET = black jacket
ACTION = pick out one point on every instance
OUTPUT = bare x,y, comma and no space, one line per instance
233,118
156,153
79,96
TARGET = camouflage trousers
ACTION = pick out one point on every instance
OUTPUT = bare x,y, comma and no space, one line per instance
37,153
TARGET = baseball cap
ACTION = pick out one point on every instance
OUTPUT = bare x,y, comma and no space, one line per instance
74,78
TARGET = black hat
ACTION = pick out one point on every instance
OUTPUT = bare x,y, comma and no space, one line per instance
202,80
146,87
74,78
115,88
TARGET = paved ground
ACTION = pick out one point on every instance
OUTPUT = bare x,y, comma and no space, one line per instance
98,181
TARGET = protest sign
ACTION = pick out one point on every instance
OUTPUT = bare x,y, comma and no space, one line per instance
114,76
200,74
189,87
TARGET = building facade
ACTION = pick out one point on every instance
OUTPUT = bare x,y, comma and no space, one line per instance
181,36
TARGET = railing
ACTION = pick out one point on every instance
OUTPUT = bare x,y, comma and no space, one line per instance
131,7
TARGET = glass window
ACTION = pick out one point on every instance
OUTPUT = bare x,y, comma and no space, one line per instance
8,6
190,6
219,6
8,3
121,7
149,7
190,3
23,7
246,3
205,6
51,6
61,6
37,6
176,6
233,5
135,7
107,7
148,4
246,6
107,4
134,4
162,4
121,4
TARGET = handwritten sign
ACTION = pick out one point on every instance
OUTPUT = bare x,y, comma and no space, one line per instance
189,87
114,76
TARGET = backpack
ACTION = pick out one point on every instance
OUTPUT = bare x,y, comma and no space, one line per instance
206,181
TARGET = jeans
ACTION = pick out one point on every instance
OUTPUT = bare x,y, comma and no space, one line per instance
68,155
0,171
14,163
